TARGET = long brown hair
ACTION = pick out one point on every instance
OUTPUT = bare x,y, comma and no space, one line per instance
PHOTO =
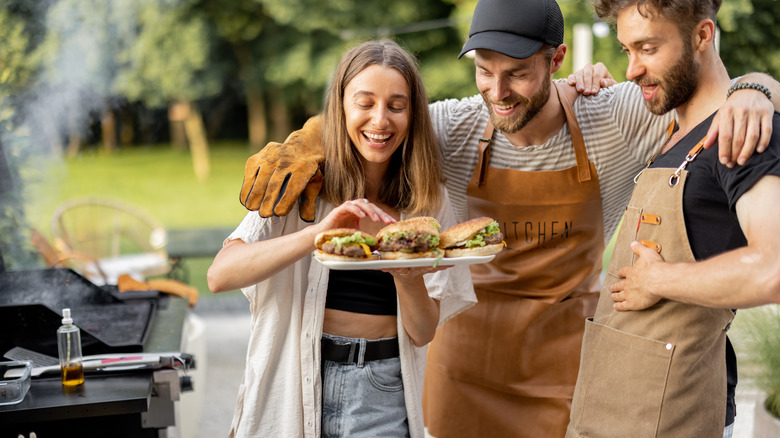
413,179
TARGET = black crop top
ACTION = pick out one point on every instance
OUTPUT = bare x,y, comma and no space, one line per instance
365,291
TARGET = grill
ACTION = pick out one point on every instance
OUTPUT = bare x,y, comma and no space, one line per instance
31,302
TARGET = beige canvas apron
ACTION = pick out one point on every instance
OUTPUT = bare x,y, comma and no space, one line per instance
659,372
507,366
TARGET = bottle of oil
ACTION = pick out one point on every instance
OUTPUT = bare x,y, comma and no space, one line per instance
69,344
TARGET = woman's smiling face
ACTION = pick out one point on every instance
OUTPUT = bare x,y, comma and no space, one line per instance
377,109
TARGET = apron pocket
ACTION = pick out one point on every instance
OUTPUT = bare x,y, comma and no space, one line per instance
623,378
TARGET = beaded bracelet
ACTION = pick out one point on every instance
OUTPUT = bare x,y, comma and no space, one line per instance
749,85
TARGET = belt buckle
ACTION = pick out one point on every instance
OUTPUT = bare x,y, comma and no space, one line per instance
352,349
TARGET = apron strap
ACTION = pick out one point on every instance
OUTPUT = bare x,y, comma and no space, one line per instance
484,153
581,154
583,166
692,154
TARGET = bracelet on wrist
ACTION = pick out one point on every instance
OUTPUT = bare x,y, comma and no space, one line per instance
749,86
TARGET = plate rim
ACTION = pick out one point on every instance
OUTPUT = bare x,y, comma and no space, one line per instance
388,264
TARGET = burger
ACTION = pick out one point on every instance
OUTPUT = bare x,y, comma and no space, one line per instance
476,237
409,239
426,219
345,244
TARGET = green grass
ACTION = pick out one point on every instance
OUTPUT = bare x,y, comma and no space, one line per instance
157,179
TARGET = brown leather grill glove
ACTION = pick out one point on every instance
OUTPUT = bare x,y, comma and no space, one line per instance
283,172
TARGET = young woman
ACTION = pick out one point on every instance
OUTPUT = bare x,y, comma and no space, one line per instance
342,353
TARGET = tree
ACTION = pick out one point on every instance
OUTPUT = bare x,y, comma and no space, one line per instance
286,50
168,63
78,67
238,25
16,72
749,36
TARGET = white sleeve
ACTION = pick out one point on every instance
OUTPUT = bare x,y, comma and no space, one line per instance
255,228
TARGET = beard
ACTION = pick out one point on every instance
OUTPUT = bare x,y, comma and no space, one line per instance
526,109
678,84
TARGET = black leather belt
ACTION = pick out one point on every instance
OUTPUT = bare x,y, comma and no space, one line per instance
337,351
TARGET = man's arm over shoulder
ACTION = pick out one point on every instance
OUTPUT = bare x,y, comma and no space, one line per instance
743,124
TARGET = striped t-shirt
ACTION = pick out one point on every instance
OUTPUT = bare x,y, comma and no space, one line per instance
620,136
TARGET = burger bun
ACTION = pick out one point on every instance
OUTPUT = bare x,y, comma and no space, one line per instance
463,231
321,238
419,226
424,219
474,251
403,255
320,255
326,235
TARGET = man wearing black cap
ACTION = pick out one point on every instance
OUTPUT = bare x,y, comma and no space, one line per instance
557,185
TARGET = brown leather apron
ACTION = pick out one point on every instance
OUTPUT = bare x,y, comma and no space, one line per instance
507,366
659,372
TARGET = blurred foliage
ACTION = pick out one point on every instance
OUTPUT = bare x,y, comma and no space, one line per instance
15,247
762,326
606,50
749,38
15,74
84,54
169,59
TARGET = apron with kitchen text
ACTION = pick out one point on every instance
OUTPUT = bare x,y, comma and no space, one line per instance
658,372
507,366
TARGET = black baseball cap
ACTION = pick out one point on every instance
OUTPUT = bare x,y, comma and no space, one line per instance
515,28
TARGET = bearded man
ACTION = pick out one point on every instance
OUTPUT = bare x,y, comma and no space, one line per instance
555,170
698,240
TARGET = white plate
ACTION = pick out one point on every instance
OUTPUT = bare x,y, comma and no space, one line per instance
411,263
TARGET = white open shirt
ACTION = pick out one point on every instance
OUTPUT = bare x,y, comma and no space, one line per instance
281,393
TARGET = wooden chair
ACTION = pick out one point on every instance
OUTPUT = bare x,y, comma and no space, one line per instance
117,237
57,259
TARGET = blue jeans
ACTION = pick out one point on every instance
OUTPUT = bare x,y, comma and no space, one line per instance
728,431
364,399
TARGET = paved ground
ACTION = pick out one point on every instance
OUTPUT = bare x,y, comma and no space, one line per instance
226,333
225,324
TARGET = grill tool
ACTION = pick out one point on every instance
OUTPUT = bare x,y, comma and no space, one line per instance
43,364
